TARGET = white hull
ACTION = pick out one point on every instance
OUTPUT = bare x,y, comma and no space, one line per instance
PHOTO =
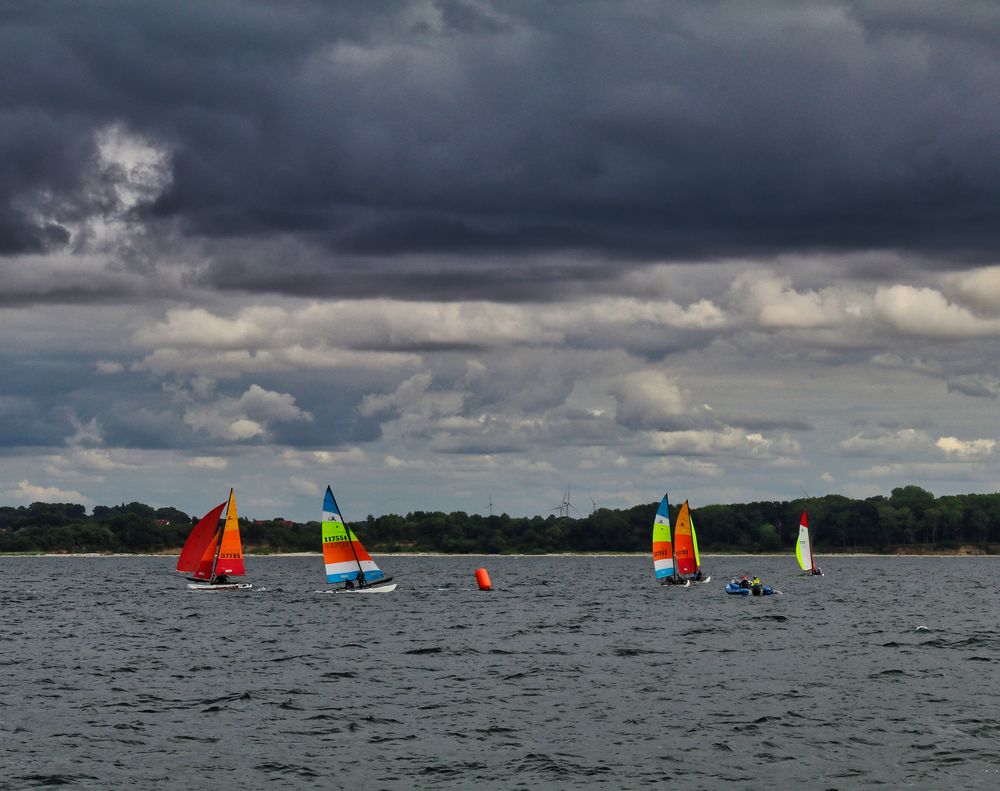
369,589
229,586
702,581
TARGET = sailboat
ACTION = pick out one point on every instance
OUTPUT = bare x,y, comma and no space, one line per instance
663,551
345,558
213,553
803,549
686,546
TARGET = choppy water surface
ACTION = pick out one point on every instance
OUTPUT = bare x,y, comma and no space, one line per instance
576,672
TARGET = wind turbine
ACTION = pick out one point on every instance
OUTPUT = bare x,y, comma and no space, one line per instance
565,505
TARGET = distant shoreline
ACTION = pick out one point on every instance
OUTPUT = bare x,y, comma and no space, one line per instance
963,552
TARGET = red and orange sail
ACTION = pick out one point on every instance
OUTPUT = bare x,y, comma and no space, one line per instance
684,549
211,550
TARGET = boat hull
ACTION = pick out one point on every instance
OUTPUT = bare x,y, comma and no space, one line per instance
368,589
701,581
229,586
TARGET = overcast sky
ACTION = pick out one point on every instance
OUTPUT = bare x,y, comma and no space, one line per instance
439,254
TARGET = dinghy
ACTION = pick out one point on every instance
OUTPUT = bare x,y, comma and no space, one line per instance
803,550
663,551
733,589
213,553
686,553
344,557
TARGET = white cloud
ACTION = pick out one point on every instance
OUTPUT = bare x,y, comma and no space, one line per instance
298,459
963,449
26,492
246,417
109,367
208,463
729,441
647,399
305,486
979,288
880,443
926,313
769,301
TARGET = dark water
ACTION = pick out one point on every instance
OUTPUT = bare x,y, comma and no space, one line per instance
574,673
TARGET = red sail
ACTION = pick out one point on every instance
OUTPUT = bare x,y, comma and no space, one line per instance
200,538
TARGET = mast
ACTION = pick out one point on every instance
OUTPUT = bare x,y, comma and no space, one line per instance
220,531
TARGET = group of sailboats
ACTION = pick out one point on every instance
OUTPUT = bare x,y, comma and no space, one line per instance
213,553
676,560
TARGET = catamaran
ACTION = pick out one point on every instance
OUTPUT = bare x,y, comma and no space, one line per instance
663,551
803,550
346,560
213,553
686,546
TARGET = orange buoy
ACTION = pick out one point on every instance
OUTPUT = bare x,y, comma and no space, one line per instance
483,578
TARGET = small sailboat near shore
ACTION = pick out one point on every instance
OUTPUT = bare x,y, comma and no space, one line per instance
213,553
803,550
686,553
345,558
663,550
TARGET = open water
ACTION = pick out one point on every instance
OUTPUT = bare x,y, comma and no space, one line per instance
575,672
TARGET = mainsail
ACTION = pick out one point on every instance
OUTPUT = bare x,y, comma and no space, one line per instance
343,554
663,553
201,537
684,551
803,550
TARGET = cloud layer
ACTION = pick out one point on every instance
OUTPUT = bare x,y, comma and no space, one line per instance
441,251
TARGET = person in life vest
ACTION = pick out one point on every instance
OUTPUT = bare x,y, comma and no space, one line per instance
756,581
744,583
361,580
697,576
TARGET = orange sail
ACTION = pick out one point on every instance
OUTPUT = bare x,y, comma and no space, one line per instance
684,552
230,560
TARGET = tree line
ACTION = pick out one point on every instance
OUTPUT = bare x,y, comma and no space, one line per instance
909,517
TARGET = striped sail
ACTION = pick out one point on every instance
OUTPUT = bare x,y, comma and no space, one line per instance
343,554
803,552
684,542
201,537
230,560
663,553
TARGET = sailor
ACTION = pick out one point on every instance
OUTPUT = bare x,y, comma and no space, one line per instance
361,580
697,575
756,581
817,572
221,579
744,583
348,585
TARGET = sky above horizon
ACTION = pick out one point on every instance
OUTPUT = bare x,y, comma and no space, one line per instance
447,254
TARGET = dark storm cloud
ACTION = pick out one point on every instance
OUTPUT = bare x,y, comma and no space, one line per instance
460,129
